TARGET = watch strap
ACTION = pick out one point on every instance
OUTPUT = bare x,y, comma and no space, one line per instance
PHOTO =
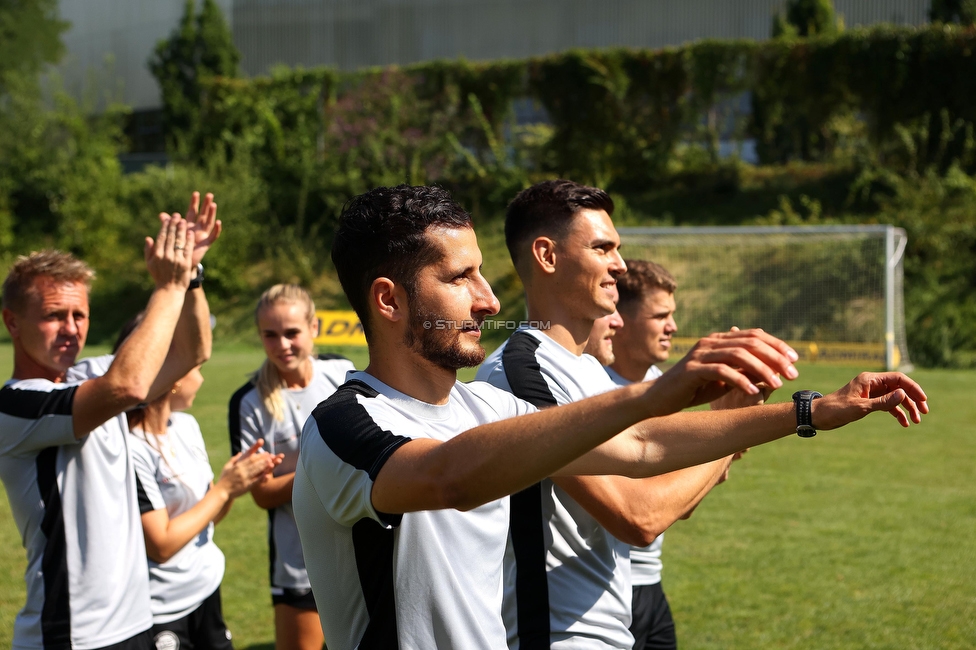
802,400
197,282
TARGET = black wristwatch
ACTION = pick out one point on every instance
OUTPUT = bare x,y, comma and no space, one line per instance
197,282
802,399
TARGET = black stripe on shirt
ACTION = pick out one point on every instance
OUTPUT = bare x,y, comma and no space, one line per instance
145,505
527,526
34,404
56,611
373,545
272,547
350,432
328,356
234,417
523,371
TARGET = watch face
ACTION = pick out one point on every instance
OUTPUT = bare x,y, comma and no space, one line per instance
806,431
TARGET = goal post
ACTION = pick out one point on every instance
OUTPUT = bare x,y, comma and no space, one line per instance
833,292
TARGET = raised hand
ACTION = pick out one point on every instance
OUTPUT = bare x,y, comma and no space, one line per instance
203,222
169,257
869,392
719,362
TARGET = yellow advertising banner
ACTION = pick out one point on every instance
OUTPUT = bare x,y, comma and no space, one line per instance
872,354
339,328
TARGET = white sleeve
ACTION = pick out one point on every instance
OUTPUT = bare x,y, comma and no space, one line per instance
335,370
344,447
36,415
90,368
188,429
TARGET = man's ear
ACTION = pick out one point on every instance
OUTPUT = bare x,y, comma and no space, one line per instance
10,320
544,254
388,299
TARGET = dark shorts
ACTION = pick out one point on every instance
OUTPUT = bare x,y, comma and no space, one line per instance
201,629
141,641
298,598
652,627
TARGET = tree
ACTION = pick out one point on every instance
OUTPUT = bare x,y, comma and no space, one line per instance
807,18
201,46
30,37
953,11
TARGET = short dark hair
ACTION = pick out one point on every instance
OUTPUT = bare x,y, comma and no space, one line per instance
548,208
642,277
383,233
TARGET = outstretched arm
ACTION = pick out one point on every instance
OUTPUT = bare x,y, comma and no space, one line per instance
686,439
497,459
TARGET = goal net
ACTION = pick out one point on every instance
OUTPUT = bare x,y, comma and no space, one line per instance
833,292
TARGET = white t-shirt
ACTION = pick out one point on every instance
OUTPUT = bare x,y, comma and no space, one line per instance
559,552
422,580
75,505
173,472
251,420
645,561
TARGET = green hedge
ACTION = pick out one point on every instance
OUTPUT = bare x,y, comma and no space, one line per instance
617,115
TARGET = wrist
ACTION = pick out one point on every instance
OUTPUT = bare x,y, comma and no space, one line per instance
803,406
172,294
221,491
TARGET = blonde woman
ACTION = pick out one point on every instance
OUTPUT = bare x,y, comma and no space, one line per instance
273,406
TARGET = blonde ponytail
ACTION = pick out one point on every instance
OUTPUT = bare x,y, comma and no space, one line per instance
267,379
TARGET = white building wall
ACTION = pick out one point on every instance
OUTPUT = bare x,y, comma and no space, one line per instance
349,34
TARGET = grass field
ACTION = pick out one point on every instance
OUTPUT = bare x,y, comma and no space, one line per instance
859,538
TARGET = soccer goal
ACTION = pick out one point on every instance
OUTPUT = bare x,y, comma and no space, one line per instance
833,292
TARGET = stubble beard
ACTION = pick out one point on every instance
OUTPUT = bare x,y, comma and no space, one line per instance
441,347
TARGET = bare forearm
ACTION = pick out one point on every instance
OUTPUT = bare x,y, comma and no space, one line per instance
163,542
665,444
636,511
274,492
191,344
223,512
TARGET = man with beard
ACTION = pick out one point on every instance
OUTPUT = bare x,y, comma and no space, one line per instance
401,489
